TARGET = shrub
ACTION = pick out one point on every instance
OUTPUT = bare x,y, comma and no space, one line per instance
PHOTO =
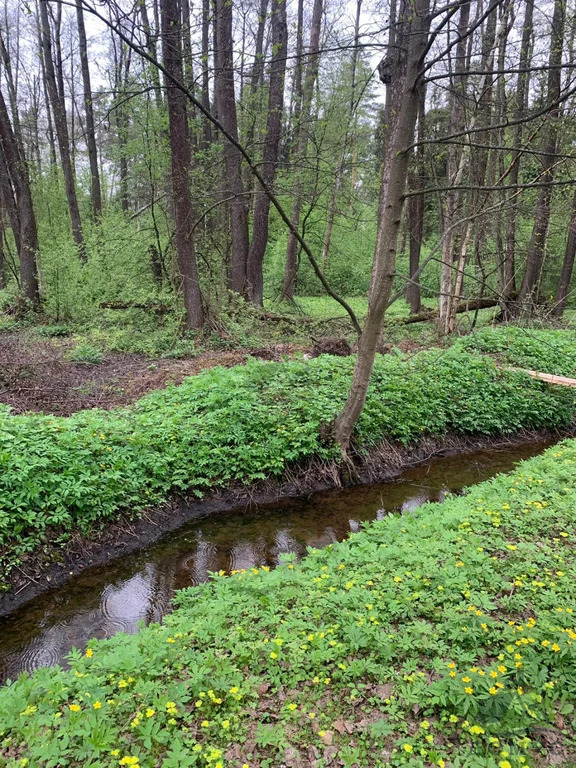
85,353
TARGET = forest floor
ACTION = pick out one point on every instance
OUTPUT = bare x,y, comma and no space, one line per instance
37,375
61,369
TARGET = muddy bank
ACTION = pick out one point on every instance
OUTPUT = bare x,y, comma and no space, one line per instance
55,565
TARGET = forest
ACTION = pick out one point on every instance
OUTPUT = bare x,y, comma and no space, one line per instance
287,383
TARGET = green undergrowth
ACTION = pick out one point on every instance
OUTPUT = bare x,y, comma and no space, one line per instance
444,637
62,475
552,351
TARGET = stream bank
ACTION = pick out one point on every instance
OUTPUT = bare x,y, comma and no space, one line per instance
54,566
441,637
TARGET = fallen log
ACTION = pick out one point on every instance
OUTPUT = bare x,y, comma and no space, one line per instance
161,309
433,314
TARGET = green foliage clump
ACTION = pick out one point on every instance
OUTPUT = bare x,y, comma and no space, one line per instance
85,353
552,351
245,424
443,637
54,331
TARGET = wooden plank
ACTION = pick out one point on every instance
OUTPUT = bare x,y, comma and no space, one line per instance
549,378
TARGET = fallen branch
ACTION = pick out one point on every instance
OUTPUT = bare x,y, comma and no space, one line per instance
433,314
160,309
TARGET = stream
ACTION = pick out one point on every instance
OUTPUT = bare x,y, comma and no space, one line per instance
138,588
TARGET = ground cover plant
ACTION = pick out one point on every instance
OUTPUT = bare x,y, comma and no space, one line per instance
442,637
553,351
63,475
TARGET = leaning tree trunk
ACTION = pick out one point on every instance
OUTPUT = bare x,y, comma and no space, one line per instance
27,236
404,83
271,148
60,122
181,161
527,297
89,112
226,109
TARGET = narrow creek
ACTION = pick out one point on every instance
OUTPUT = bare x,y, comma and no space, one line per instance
115,598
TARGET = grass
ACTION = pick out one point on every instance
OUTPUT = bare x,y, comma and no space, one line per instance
443,637
61,475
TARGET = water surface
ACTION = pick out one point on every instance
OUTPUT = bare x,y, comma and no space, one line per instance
139,587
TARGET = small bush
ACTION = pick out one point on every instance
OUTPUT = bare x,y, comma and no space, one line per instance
85,353
53,331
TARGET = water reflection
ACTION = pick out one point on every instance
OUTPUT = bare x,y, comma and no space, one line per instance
139,588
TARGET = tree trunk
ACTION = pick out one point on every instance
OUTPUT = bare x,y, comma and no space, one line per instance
567,265
402,77
151,48
508,287
59,112
455,171
251,97
271,149
89,112
303,129
181,162
226,108
27,236
535,256
206,125
8,201
416,213
348,147
51,141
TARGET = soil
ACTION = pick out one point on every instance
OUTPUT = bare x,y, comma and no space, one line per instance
55,565
35,375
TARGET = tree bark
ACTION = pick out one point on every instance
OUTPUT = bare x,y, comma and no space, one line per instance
455,171
567,265
416,213
271,149
206,126
226,109
27,236
181,161
401,73
535,257
508,287
96,195
60,122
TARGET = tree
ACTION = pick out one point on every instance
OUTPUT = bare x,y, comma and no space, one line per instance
96,196
226,110
26,234
400,71
56,96
271,149
299,161
534,259
180,163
